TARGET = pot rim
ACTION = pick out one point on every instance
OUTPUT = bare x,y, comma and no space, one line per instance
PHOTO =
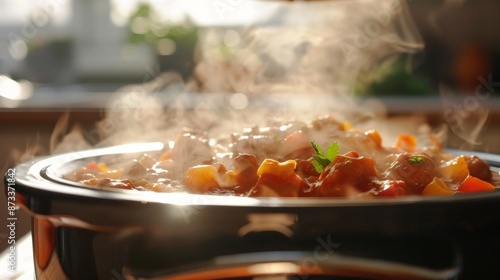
43,175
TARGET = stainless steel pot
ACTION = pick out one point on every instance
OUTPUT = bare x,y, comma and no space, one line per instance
86,233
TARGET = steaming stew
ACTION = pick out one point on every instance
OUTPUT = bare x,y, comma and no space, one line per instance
323,158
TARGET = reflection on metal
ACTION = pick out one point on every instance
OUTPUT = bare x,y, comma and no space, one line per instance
278,222
47,263
53,270
273,265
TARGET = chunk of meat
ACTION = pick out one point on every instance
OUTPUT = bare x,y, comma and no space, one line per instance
134,169
478,168
191,148
246,167
347,175
296,146
417,170
279,141
306,170
262,144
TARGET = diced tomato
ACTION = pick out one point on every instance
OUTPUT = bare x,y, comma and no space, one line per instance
390,188
474,184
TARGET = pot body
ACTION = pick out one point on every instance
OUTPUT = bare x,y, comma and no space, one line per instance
85,233
148,251
62,252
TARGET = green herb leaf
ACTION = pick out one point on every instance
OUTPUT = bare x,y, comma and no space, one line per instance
317,148
332,151
318,166
321,161
416,159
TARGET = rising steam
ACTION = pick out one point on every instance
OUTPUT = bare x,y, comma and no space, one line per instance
309,47
299,63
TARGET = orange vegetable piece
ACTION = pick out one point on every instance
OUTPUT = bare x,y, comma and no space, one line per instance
113,174
278,169
103,167
346,126
202,178
474,184
406,142
278,179
92,165
437,187
166,155
455,169
375,136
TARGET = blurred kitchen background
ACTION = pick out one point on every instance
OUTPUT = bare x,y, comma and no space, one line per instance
70,56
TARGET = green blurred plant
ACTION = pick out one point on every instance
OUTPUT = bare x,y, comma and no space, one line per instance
392,77
152,30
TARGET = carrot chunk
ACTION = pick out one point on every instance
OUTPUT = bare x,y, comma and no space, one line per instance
406,142
474,184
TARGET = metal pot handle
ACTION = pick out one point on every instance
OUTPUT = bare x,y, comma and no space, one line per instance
298,263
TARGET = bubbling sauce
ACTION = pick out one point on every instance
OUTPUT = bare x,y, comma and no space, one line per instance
282,160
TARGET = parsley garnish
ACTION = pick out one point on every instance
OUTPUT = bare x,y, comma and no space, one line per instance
321,161
416,159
